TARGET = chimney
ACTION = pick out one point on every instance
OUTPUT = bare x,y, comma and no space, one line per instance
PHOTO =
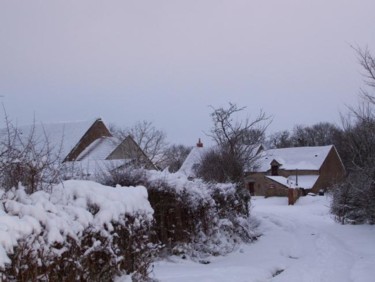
199,144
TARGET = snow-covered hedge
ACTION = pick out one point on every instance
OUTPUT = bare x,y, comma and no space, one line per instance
192,216
80,231
98,231
197,218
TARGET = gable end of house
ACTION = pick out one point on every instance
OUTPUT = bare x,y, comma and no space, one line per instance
95,131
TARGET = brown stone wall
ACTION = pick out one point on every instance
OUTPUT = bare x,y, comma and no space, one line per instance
97,130
332,171
259,183
293,195
275,189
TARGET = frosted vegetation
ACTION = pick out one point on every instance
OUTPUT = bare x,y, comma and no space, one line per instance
99,232
92,230
122,221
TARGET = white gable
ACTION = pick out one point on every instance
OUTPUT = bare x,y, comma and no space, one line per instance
100,149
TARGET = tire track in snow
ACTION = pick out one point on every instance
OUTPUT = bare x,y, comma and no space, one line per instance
299,243
318,255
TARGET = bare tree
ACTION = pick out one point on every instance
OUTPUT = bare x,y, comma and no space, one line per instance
237,141
320,134
150,139
280,139
367,61
359,125
175,155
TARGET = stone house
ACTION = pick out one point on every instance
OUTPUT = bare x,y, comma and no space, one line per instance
308,169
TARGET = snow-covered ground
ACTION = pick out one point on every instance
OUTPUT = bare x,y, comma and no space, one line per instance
299,243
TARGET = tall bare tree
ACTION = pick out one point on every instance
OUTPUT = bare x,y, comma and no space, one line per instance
367,61
237,141
354,199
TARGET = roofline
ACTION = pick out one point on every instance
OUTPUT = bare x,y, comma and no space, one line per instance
277,181
129,137
79,141
331,146
338,155
268,177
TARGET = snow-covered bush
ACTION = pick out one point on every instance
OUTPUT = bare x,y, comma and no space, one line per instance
198,218
353,200
80,231
124,176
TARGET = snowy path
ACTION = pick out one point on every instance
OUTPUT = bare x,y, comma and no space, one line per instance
299,243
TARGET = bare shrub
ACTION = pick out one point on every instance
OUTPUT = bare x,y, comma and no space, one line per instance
28,158
220,166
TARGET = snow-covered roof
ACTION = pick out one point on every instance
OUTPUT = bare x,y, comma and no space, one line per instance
301,158
100,149
62,137
92,167
193,160
304,181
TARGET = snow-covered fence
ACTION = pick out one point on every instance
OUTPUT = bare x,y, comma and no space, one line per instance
80,231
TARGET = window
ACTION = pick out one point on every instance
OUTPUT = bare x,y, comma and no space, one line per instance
274,170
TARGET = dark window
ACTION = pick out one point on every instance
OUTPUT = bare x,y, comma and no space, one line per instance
274,170
251,188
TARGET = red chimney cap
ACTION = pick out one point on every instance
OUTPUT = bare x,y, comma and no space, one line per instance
199,144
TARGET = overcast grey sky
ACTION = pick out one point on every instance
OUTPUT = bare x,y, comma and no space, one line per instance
167,61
